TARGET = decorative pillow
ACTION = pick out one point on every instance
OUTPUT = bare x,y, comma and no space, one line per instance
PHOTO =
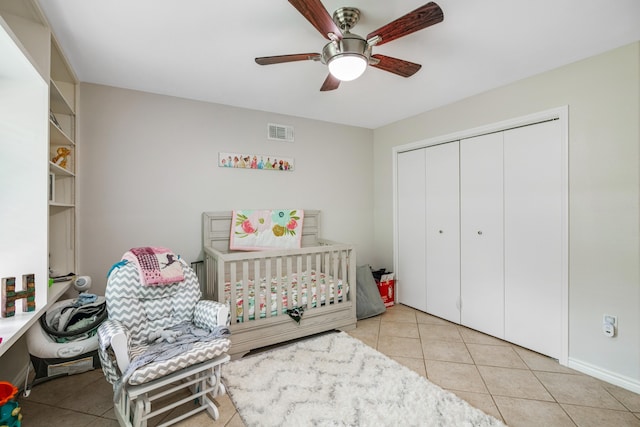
254,230
368,300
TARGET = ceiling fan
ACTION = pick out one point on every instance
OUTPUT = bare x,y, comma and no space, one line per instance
347,55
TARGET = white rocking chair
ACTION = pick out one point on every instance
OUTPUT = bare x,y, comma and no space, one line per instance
135,313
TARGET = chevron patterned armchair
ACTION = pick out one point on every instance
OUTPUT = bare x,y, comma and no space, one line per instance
159,340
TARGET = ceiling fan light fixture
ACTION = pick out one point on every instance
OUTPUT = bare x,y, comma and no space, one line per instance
347,66
347,58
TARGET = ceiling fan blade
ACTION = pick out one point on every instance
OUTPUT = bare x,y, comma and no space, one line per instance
396,66
317,15
268,60
421,18
330,83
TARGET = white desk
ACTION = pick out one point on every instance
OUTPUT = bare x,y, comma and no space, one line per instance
12,328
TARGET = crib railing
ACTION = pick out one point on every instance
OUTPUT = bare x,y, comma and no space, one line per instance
277,269
198,268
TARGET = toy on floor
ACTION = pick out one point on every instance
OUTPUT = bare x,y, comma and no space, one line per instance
10,415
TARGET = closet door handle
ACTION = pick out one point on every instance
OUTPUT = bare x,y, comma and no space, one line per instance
480,232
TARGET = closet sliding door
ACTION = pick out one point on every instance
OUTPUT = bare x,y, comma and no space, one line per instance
482,226
443,231
533,237
482,233
411,208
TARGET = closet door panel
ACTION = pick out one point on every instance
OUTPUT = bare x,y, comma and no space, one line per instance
411,272
443,231
482,234
533,237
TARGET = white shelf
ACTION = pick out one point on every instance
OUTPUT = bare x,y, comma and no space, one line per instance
12,328
58,136
58,102
61,205
59,170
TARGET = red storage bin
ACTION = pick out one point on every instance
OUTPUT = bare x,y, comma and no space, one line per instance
387,289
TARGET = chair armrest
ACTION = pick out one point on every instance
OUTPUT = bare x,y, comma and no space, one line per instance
209,314
120,345
112,333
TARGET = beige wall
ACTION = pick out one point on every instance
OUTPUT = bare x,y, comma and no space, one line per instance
148,169
603,94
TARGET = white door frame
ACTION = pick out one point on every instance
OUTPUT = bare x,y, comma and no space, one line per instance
561,114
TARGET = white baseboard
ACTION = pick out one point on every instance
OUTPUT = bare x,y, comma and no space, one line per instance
630,384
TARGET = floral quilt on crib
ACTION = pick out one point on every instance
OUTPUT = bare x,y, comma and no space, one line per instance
308,299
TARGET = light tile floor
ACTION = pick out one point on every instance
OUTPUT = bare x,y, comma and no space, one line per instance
516,385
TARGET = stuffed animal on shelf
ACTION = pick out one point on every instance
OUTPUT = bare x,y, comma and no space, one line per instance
60,158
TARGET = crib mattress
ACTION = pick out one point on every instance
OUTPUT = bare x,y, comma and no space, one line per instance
308,289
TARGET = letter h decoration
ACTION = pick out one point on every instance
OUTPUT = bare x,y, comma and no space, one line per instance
9,295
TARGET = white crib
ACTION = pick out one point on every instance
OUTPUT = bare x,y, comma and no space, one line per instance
263,285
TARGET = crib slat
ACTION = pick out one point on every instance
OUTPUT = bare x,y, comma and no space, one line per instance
299,288
245,292
260,294
211,273
279,285
217,292
269,280
308,284
326,269
322,292
233,293
289,272
334,273
343,276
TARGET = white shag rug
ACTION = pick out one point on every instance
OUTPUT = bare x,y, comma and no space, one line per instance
336,380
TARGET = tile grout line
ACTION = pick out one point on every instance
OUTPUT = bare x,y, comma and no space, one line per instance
480,375
544,386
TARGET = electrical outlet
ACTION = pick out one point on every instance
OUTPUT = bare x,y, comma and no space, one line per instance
609,330
609,325
612,320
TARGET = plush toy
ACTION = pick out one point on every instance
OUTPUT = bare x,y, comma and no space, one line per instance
160,335
60,158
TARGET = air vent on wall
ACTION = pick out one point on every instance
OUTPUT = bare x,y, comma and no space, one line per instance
280,132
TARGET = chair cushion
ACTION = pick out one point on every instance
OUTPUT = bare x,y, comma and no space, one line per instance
142,309
199,352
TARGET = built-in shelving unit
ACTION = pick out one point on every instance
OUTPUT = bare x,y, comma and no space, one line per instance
62,187
38,93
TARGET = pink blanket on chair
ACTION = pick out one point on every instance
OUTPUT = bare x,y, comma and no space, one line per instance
156,265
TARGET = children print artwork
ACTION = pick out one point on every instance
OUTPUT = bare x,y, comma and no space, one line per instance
255,230
255,161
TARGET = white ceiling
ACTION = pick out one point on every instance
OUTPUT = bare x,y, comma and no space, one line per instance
204,50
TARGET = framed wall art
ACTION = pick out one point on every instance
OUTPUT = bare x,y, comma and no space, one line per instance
255,161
